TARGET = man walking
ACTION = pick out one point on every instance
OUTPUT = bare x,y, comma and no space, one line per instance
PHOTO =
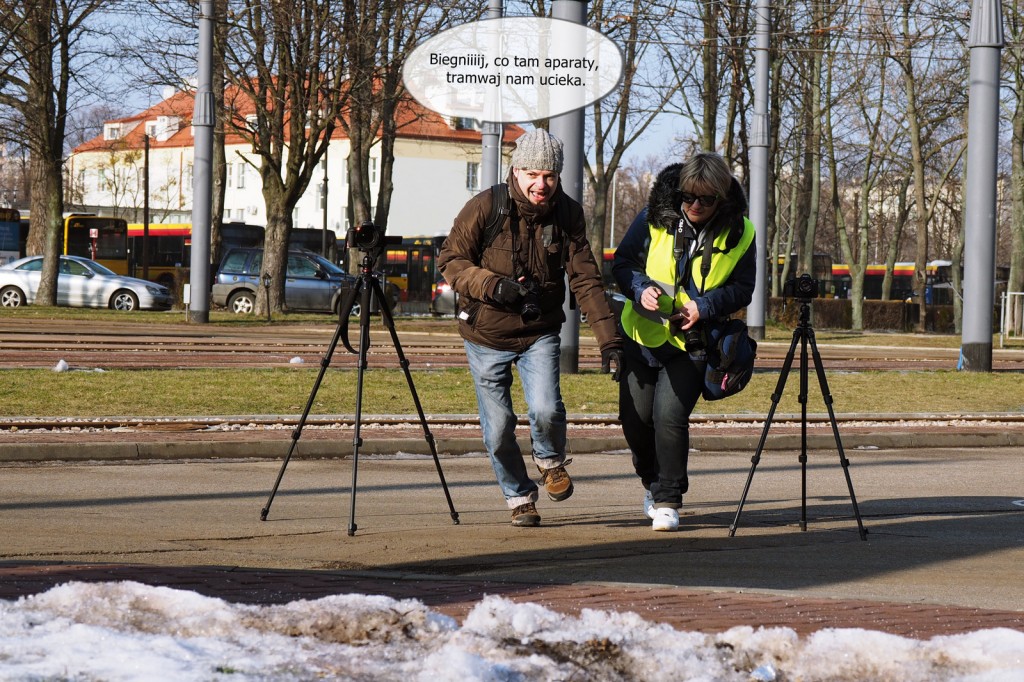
507,256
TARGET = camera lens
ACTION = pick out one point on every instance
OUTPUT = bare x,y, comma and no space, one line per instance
693,340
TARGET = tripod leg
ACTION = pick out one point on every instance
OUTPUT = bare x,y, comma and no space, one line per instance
803,429
389,322
324,362
827,396
755,460
364,347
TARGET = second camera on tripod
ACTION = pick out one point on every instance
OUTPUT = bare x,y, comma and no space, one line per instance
802,288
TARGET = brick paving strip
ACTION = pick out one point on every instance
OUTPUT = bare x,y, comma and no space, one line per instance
682,608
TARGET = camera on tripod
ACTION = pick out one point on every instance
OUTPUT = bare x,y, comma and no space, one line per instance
802,288
365,236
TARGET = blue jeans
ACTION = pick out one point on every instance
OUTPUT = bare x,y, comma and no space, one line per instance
538,368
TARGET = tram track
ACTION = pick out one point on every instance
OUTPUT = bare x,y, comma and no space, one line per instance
91,345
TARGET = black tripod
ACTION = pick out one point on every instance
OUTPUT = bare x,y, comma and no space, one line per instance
368,289
804,334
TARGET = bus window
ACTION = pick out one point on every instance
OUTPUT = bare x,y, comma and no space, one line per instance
10,229
102,239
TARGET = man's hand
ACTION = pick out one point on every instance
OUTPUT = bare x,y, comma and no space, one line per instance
508,293
612,355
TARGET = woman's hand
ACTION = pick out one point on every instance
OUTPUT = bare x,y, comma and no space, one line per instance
685,317
649,298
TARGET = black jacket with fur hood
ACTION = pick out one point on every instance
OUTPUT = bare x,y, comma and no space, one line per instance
663,212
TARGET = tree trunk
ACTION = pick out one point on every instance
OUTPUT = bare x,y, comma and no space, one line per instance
1015,281
275,246
47,226
219,159
709,56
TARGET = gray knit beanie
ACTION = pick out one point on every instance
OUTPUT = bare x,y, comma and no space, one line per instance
538,150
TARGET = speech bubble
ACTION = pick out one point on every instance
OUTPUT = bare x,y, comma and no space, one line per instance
513,69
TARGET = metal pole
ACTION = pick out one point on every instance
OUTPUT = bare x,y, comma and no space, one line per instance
569,129
203,118
759,173
491,132
611,238
323,207
985,43
145,206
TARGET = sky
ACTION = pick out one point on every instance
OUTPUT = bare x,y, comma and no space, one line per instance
128,631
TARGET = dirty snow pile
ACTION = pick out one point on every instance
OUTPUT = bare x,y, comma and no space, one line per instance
128,631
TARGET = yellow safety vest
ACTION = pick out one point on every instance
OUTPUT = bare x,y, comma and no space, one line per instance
651,328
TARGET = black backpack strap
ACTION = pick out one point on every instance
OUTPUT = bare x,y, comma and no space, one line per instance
501,208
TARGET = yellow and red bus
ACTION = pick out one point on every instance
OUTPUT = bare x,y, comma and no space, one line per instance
170,246
100,238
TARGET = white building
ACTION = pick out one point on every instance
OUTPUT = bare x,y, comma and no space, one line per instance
437,169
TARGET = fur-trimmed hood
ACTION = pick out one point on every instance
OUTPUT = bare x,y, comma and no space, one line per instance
663,205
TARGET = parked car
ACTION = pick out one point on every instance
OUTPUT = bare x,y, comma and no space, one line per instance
444,300
312,282
81,283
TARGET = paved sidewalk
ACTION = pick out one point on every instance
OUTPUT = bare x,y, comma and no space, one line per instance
680,607
943,555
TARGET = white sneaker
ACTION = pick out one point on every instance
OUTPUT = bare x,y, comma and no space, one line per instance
648,504
665,518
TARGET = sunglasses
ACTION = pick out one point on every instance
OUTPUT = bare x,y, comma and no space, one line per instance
705,200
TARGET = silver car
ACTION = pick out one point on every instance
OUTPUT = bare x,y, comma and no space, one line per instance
81,283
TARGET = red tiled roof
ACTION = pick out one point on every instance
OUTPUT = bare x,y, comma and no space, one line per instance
415,122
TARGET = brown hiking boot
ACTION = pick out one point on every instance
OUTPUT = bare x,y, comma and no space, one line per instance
525,515
557,482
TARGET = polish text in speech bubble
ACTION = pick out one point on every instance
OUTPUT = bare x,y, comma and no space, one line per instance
513,69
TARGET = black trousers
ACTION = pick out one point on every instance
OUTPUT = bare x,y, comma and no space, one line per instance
654,407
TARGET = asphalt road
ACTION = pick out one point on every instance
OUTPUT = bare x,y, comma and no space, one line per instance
944,526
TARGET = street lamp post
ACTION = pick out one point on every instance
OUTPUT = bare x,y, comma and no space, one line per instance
145,207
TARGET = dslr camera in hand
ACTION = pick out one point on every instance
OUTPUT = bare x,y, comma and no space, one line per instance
530,310
802,288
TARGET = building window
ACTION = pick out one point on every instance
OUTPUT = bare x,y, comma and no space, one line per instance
473,176
229,175
373,170
112,131
464,123
240,215
241,174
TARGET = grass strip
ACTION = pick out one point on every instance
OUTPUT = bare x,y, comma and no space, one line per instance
212,392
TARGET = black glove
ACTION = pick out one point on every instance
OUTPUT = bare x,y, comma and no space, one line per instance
612,355
508,293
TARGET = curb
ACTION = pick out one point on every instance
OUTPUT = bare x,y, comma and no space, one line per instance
266,448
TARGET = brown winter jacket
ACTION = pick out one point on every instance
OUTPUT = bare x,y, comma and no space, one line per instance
541,250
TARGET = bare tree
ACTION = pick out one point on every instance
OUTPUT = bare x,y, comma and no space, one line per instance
379,36
286,69
621,118
1014,51
42,43
927,72
160,50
